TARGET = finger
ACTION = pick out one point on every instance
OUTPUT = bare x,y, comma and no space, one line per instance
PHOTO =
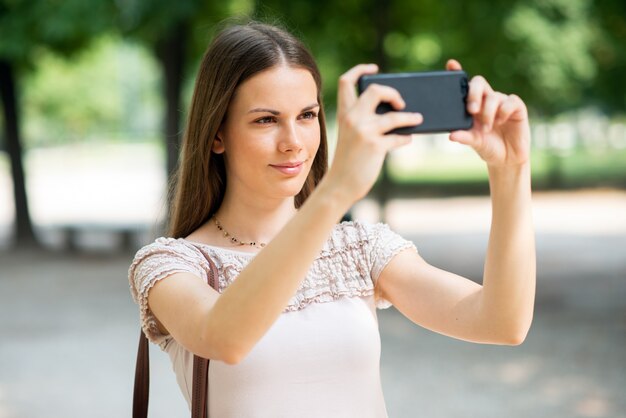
491,103
453,65
478,87
512,107
505,110
374,94
392,120
346,91
464,137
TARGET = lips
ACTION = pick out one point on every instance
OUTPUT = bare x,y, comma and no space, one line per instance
289,168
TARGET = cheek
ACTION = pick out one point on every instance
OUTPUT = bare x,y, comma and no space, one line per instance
313,139
249,153
246,143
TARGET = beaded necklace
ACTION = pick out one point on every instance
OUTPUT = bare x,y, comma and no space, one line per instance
234,239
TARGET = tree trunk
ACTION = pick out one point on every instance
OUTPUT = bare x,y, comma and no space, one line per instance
24,235
170,51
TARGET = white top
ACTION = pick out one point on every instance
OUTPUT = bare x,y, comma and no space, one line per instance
321,358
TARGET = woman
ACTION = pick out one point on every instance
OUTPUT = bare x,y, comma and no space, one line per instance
293,329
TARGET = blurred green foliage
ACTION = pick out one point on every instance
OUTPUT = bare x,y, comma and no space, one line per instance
556,54
63,26
149,20
108,91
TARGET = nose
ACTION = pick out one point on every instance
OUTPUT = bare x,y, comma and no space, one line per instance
289,139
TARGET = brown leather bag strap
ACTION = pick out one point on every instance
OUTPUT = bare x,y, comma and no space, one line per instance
200,388
142,379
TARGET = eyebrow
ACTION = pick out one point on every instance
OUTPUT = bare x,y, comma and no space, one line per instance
276,112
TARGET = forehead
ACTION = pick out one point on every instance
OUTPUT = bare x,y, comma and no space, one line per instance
279,88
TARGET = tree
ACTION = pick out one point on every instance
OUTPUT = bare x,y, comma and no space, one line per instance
554,53
177,33
26,26
609,51
494,38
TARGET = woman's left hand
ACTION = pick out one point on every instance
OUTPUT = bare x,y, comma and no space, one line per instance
501,133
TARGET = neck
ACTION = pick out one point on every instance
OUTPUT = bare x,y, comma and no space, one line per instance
251,219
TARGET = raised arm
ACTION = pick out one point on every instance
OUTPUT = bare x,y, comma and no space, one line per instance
501,310
227,326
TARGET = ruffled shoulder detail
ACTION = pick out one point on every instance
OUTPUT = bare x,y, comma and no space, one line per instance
348,266
155,262
380,245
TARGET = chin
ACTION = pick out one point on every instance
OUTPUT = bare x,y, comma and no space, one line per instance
292,189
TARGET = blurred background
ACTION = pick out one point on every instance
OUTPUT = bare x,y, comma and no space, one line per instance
94,97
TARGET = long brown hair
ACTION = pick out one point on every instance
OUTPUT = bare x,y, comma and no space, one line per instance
237,53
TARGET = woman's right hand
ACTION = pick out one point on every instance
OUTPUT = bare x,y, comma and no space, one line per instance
362,144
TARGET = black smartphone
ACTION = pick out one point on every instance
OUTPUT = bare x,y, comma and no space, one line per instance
440,96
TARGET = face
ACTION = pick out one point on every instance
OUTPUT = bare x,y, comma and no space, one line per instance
271,133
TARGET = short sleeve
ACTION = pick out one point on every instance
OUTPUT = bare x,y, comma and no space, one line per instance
384,244
155,262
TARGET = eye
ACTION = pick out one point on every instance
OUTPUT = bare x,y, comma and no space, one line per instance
265,120
309,115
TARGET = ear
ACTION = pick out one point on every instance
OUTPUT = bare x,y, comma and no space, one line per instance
218,143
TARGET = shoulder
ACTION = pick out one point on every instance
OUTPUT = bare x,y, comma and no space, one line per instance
359,231
355,230
368,240
157,261
378,241
165,245
161,258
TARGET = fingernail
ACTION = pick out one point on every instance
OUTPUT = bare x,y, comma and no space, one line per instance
473,107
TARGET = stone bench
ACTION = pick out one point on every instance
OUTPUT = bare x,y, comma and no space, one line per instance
126,236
